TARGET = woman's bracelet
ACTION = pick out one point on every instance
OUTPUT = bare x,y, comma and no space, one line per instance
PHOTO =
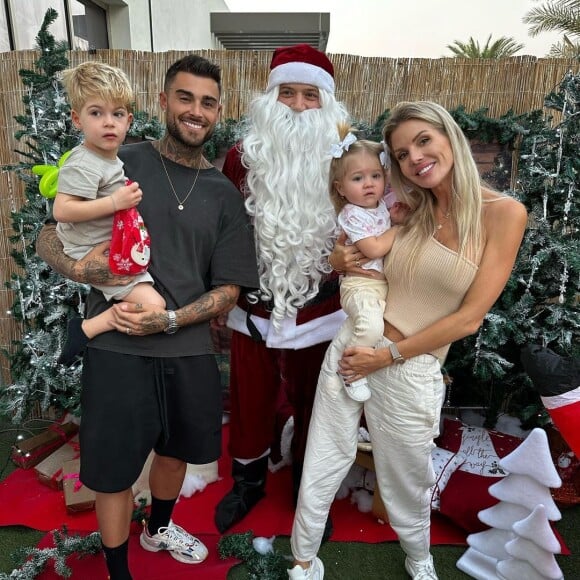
113,202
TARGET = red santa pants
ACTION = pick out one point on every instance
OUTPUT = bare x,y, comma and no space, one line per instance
257,374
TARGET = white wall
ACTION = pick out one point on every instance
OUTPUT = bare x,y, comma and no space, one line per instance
183,24
120,27
177,24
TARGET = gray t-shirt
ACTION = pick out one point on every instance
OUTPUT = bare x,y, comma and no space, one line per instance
86,174
209,243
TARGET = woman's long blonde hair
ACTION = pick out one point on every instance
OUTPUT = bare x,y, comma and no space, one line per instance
466,192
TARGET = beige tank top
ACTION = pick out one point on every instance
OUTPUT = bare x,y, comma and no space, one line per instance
437,288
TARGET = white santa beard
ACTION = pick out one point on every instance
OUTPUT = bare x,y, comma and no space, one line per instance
288,158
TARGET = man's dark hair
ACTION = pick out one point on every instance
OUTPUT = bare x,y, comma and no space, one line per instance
195,65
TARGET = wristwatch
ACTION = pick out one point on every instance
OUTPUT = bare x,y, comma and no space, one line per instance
398,358
172,327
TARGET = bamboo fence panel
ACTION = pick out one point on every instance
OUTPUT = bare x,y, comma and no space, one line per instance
366,85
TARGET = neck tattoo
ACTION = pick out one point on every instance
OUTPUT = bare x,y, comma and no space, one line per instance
180,202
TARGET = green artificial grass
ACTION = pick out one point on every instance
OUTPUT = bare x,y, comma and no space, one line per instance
14,537
356,561
342,561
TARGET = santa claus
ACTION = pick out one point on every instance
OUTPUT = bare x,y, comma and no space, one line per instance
281,332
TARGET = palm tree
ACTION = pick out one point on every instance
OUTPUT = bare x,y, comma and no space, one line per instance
502,47
558,15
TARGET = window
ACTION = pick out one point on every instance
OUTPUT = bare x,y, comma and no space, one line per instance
81,23
89,25
27,18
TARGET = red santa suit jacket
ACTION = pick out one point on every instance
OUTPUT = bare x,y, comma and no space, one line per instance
317,321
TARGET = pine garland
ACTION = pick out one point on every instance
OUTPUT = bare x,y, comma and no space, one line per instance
140,513
478,125
33,561
269,566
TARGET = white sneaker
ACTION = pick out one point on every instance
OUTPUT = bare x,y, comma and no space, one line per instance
421,569
315,572
179,543
358,390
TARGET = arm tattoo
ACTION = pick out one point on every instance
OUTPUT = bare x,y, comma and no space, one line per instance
50,249
155,322
88,270
210,305
92,272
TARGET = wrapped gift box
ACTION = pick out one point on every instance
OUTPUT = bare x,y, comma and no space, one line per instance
77,497
49,470
30,452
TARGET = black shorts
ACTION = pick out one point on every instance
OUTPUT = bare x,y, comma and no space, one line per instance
132,404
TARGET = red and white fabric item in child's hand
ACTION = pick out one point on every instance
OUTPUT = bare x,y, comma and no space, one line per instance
130,243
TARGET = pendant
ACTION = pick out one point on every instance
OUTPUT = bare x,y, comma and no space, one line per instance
180,207
439,226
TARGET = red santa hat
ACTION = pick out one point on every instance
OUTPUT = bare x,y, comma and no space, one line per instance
302,64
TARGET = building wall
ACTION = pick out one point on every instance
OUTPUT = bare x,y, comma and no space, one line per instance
129,26
177,24
148,25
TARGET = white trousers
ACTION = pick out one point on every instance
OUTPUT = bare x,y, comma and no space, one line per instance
363,299
403,419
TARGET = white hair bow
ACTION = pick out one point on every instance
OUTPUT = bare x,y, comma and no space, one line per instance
385,156
338,149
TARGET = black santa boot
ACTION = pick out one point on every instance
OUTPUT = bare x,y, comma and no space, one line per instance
248,490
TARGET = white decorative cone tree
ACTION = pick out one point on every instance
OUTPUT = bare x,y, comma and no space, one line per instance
520,542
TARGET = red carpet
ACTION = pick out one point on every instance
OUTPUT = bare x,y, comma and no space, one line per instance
27,502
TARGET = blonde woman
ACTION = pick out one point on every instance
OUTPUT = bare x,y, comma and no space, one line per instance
448,265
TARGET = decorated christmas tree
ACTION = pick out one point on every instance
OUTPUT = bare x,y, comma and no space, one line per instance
540,304
546,307
43,300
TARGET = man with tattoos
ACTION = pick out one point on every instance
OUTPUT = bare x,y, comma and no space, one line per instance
152,383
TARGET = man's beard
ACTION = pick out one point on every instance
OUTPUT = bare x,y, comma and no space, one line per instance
287,155
176,134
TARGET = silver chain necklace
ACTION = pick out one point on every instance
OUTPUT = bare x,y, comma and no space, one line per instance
180,202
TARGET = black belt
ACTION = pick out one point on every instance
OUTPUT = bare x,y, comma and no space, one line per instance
326,291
